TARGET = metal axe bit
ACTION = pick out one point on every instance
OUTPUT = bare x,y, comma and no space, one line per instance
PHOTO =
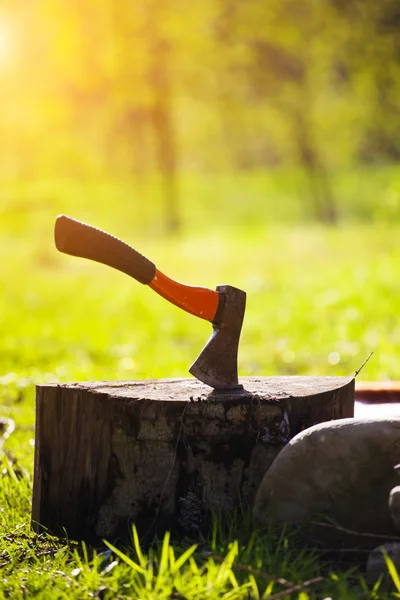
216,365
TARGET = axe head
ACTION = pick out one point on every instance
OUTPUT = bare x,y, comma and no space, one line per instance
216,365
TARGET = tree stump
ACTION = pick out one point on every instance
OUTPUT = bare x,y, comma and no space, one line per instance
165,453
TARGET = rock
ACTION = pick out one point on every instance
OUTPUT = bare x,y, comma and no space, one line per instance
342,469
377,567
394,507
394,503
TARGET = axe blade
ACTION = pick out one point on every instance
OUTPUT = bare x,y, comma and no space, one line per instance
216,365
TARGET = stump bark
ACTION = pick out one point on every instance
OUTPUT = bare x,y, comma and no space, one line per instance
164,453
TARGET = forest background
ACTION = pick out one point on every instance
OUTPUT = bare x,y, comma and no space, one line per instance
255,143
174,89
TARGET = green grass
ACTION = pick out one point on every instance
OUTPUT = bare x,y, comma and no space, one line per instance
319,301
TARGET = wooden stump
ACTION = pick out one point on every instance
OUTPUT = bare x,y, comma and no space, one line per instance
163,453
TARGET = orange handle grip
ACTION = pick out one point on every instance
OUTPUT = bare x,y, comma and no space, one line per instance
199,301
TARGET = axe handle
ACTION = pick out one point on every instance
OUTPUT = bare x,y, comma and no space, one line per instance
79,239
199,301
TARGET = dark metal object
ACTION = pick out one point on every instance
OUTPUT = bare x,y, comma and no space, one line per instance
217,363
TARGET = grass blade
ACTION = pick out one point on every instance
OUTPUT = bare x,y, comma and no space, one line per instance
125,558
163,565
138,550
392,569
183,558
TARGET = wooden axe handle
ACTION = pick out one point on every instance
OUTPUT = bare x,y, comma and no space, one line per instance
79,239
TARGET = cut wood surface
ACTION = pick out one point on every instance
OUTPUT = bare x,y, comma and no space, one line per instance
163,453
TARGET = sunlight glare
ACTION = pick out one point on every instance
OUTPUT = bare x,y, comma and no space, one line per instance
5,42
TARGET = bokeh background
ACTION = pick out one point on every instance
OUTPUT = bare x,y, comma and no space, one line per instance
303,97
251,143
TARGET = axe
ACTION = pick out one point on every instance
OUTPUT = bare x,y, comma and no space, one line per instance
224,307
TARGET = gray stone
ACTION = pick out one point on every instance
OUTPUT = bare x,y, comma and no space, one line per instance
342,469
394,507
376,564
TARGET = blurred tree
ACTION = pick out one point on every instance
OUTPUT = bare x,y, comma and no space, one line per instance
140,88
278,69
373,56
159,80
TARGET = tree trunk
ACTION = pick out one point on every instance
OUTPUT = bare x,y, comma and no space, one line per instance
319,184
162,120
165,453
